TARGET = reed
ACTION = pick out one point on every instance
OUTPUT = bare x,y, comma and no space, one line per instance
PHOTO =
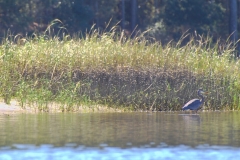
111,69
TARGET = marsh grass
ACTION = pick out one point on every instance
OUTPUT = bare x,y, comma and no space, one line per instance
113,70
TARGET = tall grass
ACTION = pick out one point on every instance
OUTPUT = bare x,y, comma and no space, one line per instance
111,69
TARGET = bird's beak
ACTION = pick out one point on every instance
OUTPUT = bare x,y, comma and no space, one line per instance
205,93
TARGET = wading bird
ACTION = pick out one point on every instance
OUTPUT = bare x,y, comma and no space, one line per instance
195,104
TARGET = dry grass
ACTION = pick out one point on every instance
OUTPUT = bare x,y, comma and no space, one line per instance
111,69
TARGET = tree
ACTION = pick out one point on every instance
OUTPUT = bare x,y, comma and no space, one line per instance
233,22
106,10
168,18
75,15
201,16
134,14
123,14
14,15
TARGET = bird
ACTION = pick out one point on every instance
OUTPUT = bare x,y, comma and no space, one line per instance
195,104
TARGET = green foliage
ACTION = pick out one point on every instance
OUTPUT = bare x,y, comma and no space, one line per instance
15,15
23,16
169,19
104,10
202,16
74,14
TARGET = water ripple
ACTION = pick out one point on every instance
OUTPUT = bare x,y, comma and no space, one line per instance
45,152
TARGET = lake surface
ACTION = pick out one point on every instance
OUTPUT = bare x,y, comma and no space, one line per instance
140,135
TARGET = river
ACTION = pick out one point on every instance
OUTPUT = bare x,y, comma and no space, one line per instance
135,135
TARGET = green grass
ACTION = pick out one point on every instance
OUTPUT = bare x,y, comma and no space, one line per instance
113,70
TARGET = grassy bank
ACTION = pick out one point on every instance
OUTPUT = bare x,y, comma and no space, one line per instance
112,70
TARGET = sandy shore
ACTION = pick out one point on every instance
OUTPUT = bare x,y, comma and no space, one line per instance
13,107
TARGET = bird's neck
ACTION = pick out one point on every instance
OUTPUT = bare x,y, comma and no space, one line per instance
202,98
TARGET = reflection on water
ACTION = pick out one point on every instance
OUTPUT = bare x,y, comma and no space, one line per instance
191,120
113,134
114,153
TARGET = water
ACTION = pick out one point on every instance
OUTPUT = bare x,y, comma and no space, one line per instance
209,135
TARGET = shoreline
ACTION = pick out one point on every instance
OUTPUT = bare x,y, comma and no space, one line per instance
14,108
11,108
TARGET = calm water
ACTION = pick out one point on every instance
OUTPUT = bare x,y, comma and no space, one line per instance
209,135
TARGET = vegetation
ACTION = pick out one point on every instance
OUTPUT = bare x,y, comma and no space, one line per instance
169,19
111,69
